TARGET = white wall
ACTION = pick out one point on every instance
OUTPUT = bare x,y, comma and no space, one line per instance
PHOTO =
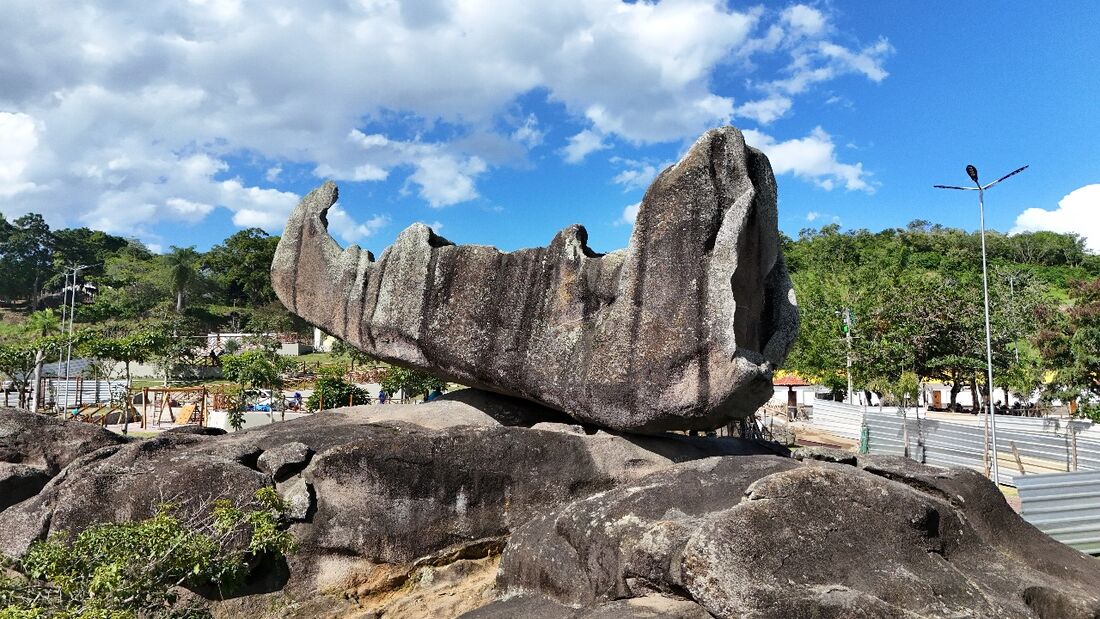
252,419
805,395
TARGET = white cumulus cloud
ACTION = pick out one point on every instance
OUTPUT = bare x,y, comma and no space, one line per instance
764,111
18,139
529,133
125,114
1078,212
344,226
446,180
630,214
636,174
804,20
812,158
583,144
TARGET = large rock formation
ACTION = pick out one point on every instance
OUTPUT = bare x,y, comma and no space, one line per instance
761,536
377,484
34,448
412,516
681,329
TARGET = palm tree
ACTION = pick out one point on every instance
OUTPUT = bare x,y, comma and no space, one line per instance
40,325
182,271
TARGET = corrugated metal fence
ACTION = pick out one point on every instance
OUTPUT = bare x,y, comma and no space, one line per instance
1065,506
73,392
1024,445
837,418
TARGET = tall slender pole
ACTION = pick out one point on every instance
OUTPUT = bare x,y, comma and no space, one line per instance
72,314
988,343
848,355
972,172
64,318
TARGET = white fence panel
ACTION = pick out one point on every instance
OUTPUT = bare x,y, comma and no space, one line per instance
837,418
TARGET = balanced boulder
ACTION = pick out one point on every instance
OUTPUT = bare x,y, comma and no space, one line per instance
680,330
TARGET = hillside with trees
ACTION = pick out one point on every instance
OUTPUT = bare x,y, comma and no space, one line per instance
226,288
916,306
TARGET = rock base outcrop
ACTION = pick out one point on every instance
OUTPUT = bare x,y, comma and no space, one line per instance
440,509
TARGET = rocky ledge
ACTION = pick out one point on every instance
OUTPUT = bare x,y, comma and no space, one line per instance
487,506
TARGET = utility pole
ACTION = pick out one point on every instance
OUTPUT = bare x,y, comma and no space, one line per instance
846,314
64,317
848,355
972,172
72,314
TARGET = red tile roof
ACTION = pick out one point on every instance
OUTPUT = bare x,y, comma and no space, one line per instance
790,380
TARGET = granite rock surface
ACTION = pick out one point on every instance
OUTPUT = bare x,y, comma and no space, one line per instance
680,330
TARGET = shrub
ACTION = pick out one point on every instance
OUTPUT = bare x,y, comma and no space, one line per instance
411,381
131,569
335,392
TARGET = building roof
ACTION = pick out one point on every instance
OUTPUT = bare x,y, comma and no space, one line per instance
790,380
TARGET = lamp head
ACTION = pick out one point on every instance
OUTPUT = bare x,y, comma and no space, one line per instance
972,172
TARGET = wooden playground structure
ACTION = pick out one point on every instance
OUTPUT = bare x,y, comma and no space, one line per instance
157,399
188,413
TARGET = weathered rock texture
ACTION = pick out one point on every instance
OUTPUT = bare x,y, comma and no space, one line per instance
369,496
34,448
410,516
760,536
679,330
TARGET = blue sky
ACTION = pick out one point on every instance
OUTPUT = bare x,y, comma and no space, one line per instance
500,123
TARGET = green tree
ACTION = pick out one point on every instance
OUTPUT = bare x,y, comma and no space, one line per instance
131,285
340,348
172,352
182,264
127,348
26,258
42,327
411,381
332,391
17,362
86,247
251,369
241,266
1070,344
916,294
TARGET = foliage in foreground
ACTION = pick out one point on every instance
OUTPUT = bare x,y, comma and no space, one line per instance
132,569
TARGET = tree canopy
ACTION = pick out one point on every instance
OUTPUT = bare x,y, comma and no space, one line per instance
915,297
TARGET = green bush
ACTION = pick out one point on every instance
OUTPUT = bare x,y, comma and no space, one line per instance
414,382
335,392
131,569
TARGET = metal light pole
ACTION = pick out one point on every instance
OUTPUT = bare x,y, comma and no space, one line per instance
972,172
848,354
72,314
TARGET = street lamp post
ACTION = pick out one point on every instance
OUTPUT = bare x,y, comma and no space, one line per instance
972,172
72,314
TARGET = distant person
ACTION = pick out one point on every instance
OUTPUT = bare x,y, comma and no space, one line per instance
434,394
382,396
297,400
